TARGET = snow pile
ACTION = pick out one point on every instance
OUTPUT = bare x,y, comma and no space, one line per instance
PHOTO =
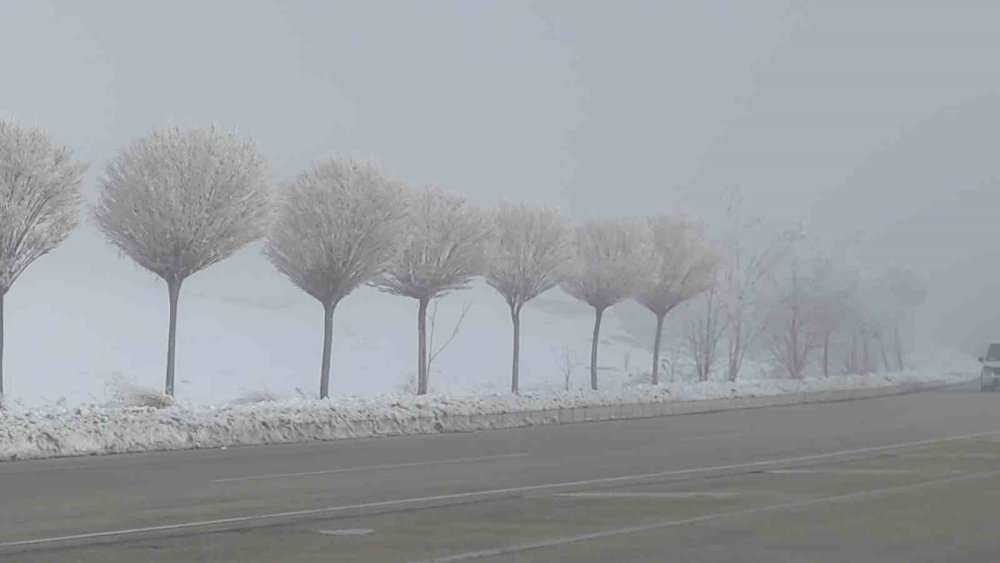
62,431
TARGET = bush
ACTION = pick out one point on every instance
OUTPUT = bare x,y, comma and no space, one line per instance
127,393
254,397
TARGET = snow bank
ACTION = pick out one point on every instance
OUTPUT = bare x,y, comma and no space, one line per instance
92,430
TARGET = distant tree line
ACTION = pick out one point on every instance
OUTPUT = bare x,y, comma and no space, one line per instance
793,307
179,201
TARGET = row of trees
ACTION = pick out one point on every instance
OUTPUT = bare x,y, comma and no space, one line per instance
791,306
177,202
820,309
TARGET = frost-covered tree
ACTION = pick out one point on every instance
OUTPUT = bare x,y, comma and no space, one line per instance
529,249
336,227
680,265
605,265
177,202
39,203
443,252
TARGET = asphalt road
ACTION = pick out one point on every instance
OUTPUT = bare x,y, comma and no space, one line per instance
907,478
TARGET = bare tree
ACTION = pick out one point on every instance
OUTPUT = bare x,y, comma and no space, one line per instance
852,363
567,361
177,202
858,318
444,252
605,266
409,383
904,292
528,254
704,331
866,358
674,357
337,227
870,317
885,300
681,265
833,294
432,353
793,323
744,271
39,204
877,334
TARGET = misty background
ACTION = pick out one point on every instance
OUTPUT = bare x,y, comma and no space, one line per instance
873,124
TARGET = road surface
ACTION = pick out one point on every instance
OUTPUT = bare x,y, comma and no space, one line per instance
906,478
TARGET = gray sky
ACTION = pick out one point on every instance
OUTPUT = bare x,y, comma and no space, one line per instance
869,120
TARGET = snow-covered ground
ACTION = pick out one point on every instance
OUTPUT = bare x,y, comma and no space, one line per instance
244,329
61,431
235,339
238,341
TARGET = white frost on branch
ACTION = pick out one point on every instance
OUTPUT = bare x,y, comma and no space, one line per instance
528,253
681,263
606,261
178,201
336,227
443,250
39,198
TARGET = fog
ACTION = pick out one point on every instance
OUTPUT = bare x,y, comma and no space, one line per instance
871,124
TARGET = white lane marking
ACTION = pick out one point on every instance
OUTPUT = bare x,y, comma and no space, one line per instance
844,471
348,532
706,494
481,493
710,437
699,519
369,468
955,456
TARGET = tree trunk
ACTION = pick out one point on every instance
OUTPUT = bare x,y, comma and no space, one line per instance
174,291
324,374
1,351
885,355
656,349
826,355
735,348
854,354
867,357
568,373
673,363
515,317
593,348
899,350
796,368
852,362
707,355
422,347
